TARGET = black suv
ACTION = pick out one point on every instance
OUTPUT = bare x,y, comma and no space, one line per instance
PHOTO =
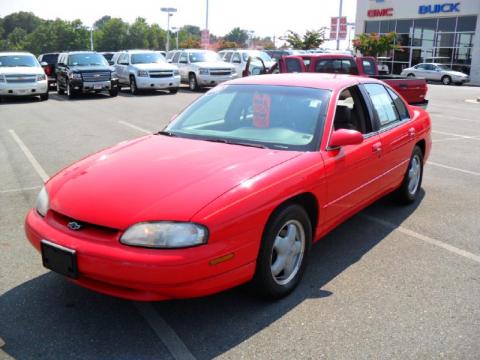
85,72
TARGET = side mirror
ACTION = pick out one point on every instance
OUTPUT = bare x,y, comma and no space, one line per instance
110,62
43,64
343,137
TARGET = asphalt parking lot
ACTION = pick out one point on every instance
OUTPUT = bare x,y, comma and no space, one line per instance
392,282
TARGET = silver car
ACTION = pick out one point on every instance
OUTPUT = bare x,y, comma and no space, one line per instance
436,72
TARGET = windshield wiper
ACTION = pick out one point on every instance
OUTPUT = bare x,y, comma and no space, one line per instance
166,133
223,141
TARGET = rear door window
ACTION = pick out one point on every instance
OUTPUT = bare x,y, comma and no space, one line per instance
368,67
383,105
336,66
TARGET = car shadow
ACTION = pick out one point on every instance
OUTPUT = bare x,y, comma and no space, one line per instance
48,317
19,100
79,97
143,93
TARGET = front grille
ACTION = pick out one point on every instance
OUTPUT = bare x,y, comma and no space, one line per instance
161,74
20,79
220,72
96,76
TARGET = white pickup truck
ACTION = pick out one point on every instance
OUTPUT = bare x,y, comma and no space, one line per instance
203,68
22,75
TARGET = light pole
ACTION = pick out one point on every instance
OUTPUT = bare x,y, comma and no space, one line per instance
338,24
177,30
169,11
91,38
206,18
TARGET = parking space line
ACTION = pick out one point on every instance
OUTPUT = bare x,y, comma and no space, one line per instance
167,335
427,239
453,168
454,118
38,168
452,134
455,138
135,127
20,189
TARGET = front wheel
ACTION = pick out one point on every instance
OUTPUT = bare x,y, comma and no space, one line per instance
60,91
70,92
133,86
408,191
113,91
446,80
44,97
173,91
283,253
192,82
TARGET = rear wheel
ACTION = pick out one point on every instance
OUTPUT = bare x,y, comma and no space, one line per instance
446,80
60,91
408,191
411,75
192,82
283,253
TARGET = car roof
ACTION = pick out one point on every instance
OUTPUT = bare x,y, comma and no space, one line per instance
8,53
310,80
80,52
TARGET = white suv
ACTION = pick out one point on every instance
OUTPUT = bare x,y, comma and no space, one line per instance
146,70
22,75
203,68
239,58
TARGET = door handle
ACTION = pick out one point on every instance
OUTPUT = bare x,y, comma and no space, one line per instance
377,147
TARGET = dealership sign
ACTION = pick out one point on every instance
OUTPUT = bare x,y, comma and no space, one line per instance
380,12
439,8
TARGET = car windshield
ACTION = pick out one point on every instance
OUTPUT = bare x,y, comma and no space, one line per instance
87,59
261,54
147,58
444,67
203,56
277,117
50,58
18,60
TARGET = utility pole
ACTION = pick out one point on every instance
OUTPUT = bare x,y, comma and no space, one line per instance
338,24
169,11
206,18
91,38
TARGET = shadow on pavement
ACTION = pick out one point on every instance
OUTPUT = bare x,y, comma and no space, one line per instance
50,318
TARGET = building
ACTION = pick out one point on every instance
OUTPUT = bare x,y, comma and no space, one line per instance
427,31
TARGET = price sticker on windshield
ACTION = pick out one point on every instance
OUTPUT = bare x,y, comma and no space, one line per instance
261,110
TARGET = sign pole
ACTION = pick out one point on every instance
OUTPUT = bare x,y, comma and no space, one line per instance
338,24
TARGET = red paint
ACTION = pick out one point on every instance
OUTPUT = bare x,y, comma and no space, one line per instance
380,12
230,189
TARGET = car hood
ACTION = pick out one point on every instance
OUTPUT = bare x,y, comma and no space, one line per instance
24,70
155,178
91,68
214,65
152,67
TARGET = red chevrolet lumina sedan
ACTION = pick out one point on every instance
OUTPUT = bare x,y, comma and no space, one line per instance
235,190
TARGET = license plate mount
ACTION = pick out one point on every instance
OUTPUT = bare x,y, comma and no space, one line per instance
59,259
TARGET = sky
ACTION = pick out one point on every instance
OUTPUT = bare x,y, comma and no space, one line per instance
265,17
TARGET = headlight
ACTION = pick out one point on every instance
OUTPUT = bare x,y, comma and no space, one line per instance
42,202
142,73
41,77
176,72
165,234
75,76
203,71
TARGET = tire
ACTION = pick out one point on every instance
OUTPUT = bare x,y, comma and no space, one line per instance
113,91
408,191
192,82
274,278
133,86
411,75
173,91
60,91
70,92
44,97
446,80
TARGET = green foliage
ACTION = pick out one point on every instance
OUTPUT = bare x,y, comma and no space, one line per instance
138,34
112,36
238,36
374,44
16,39
190,43
224,44
24,20
311,40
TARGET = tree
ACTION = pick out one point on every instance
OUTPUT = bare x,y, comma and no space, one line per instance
224,44
112,36
24,20
137,37
190,43
157,37
102,21
238,36
374,44
311,40
16,39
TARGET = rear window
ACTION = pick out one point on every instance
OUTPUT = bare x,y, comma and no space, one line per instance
368,67
50,59
336,66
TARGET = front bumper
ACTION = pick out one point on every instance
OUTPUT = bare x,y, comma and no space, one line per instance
147,274
462,80
84,86
25,89
158,83
212,80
